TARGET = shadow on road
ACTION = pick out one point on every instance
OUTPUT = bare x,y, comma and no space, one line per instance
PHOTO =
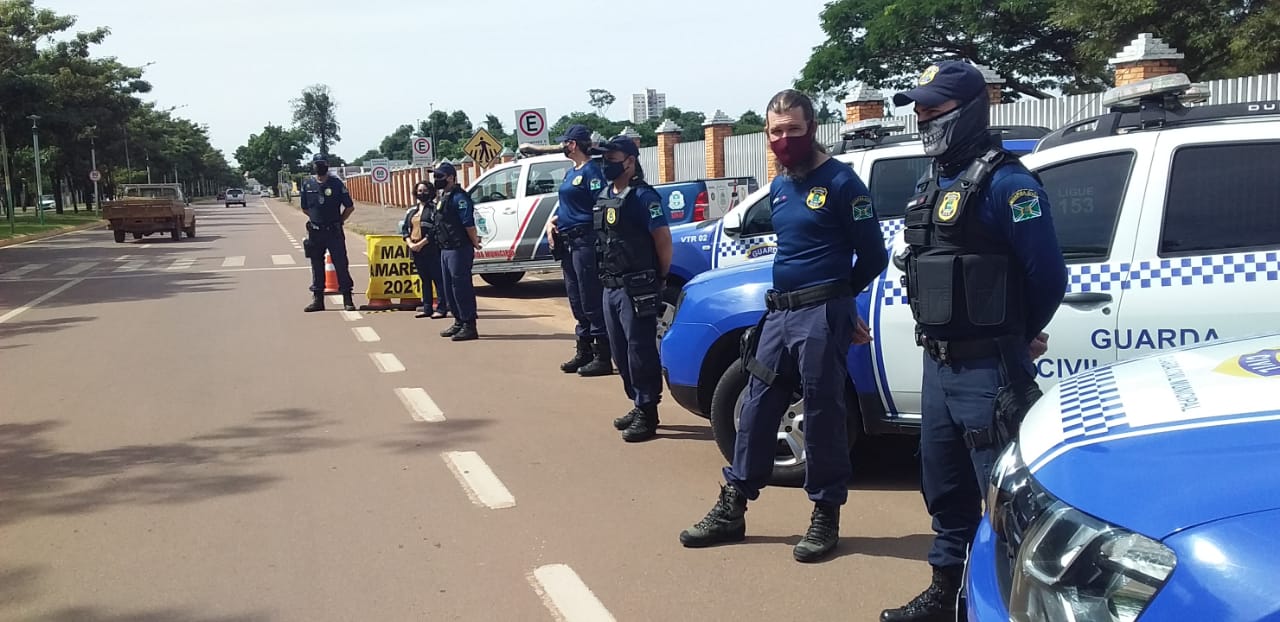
684,432
148,286
13,329
525,290
457,433
39,479
92,614
526,337
911,547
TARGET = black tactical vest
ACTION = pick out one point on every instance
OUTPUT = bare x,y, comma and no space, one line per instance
447,223
622,247
962,282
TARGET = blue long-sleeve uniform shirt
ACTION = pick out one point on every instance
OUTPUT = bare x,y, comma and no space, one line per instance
461,202
822,221
1015,208
578,194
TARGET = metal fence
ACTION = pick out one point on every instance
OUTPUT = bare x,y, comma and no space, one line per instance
691,160
649,162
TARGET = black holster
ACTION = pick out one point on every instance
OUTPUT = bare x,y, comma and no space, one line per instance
645,291
747,351
1020,392
558,251
307,247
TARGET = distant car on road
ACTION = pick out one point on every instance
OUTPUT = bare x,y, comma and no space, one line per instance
235,196
46,202
222,194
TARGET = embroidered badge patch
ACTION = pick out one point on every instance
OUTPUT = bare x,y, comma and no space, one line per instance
817,198
655,210
949,206
928,75
328,192
862,208
577,181
1025,205
611,216
595,184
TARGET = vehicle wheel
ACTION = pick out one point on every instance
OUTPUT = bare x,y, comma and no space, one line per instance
502,280
137,236
789,461
191,231
119,236
176,234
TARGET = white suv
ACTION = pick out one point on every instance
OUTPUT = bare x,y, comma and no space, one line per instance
235,196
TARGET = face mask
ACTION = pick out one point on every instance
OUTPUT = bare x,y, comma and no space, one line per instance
613,170
321,169
567,150
441,183
954,133
424,196
793,150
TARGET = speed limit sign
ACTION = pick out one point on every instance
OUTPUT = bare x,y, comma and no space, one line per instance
380,174
94,175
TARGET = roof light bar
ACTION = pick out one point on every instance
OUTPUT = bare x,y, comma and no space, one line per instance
1177,85
870,127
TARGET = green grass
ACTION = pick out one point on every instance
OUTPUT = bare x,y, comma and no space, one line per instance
28,223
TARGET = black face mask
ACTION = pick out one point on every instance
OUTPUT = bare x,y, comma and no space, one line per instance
959,136
425,197
322,169
614,170
441,183
568,150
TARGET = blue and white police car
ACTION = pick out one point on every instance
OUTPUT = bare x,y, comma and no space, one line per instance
1145,490
1168,214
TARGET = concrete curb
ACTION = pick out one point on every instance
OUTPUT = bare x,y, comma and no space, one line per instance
22,239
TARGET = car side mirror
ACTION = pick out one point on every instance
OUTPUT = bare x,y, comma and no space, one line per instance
733,222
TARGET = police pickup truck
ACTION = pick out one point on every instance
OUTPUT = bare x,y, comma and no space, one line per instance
514,201
1169,217
1141,490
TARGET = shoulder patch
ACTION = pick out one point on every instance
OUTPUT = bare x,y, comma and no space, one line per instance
1025,205
577,181
655,210
328,192
595,184
817,198
948,207
862,208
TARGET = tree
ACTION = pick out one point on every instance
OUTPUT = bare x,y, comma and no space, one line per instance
262,156
690,123
600,100
313,113
452,130
399,144
749,123
372,154
593,121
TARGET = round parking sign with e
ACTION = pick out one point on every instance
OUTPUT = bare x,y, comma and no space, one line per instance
532,124
422,147
380,174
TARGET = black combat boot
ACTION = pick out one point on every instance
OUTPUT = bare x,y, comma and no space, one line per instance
452,330
644,425
467,332
824,532
723,524
581,357
936,604
317,303
348,303
624,421
601,363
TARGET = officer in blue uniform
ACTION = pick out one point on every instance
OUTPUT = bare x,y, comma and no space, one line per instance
327,205
633,249
573,241
984,276
455,229
823,216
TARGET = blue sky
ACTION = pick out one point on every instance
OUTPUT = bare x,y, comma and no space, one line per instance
235,64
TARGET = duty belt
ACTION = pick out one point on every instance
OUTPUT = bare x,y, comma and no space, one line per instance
610,281
327,226
575,233
775,300
947,352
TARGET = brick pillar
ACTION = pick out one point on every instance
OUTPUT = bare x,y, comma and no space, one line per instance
995,84
862,104
1145,58
507,155
468,171
668,136
770,163
715,131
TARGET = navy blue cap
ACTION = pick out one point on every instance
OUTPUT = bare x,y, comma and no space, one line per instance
947,80
320,157
617,143
446,170
578,133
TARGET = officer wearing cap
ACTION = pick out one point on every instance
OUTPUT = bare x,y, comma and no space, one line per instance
633,250
573,240
984,276
327,205
455,229
823,216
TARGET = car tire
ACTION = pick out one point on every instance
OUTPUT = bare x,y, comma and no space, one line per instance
175,233
136,236
191,231
727,399
119,236
502,280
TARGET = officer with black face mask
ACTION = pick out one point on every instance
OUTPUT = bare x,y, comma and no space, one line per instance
984,276
633,250
455,229
418,231
328,205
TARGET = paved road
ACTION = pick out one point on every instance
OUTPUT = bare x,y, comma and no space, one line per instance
179,442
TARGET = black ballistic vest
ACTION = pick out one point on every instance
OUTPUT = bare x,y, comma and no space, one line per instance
447,223
622,247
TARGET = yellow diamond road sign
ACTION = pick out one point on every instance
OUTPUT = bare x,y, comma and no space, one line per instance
483,148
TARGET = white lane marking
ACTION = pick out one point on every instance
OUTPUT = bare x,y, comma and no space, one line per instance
365,334
387,362
124,258
233,262
132,266
421,406
182,264
352,316
282,260
278,223
482,486
568,598
24,270
50,294
77,269
333,300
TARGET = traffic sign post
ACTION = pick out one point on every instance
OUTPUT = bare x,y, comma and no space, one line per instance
483,148
94,176
422,149
380,173
531,126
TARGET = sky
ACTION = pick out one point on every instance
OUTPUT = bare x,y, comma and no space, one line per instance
233,65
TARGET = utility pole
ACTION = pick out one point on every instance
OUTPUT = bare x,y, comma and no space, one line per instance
148,168
35,143
93,156
8,184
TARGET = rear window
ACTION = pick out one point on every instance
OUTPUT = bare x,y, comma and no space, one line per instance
1222,198
893,183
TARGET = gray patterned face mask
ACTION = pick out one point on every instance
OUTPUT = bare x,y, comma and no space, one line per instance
955,130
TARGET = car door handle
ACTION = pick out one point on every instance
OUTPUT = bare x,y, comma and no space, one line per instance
509,211
1086,298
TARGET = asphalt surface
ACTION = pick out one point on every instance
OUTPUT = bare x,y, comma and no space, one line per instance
179,442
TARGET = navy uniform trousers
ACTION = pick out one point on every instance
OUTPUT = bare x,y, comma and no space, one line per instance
329,238
431,274
459,291
954,398
634,342
811,345
582,285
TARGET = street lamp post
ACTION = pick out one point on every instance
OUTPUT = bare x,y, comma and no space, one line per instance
35,143
8,184
148,168
93,158
432,119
